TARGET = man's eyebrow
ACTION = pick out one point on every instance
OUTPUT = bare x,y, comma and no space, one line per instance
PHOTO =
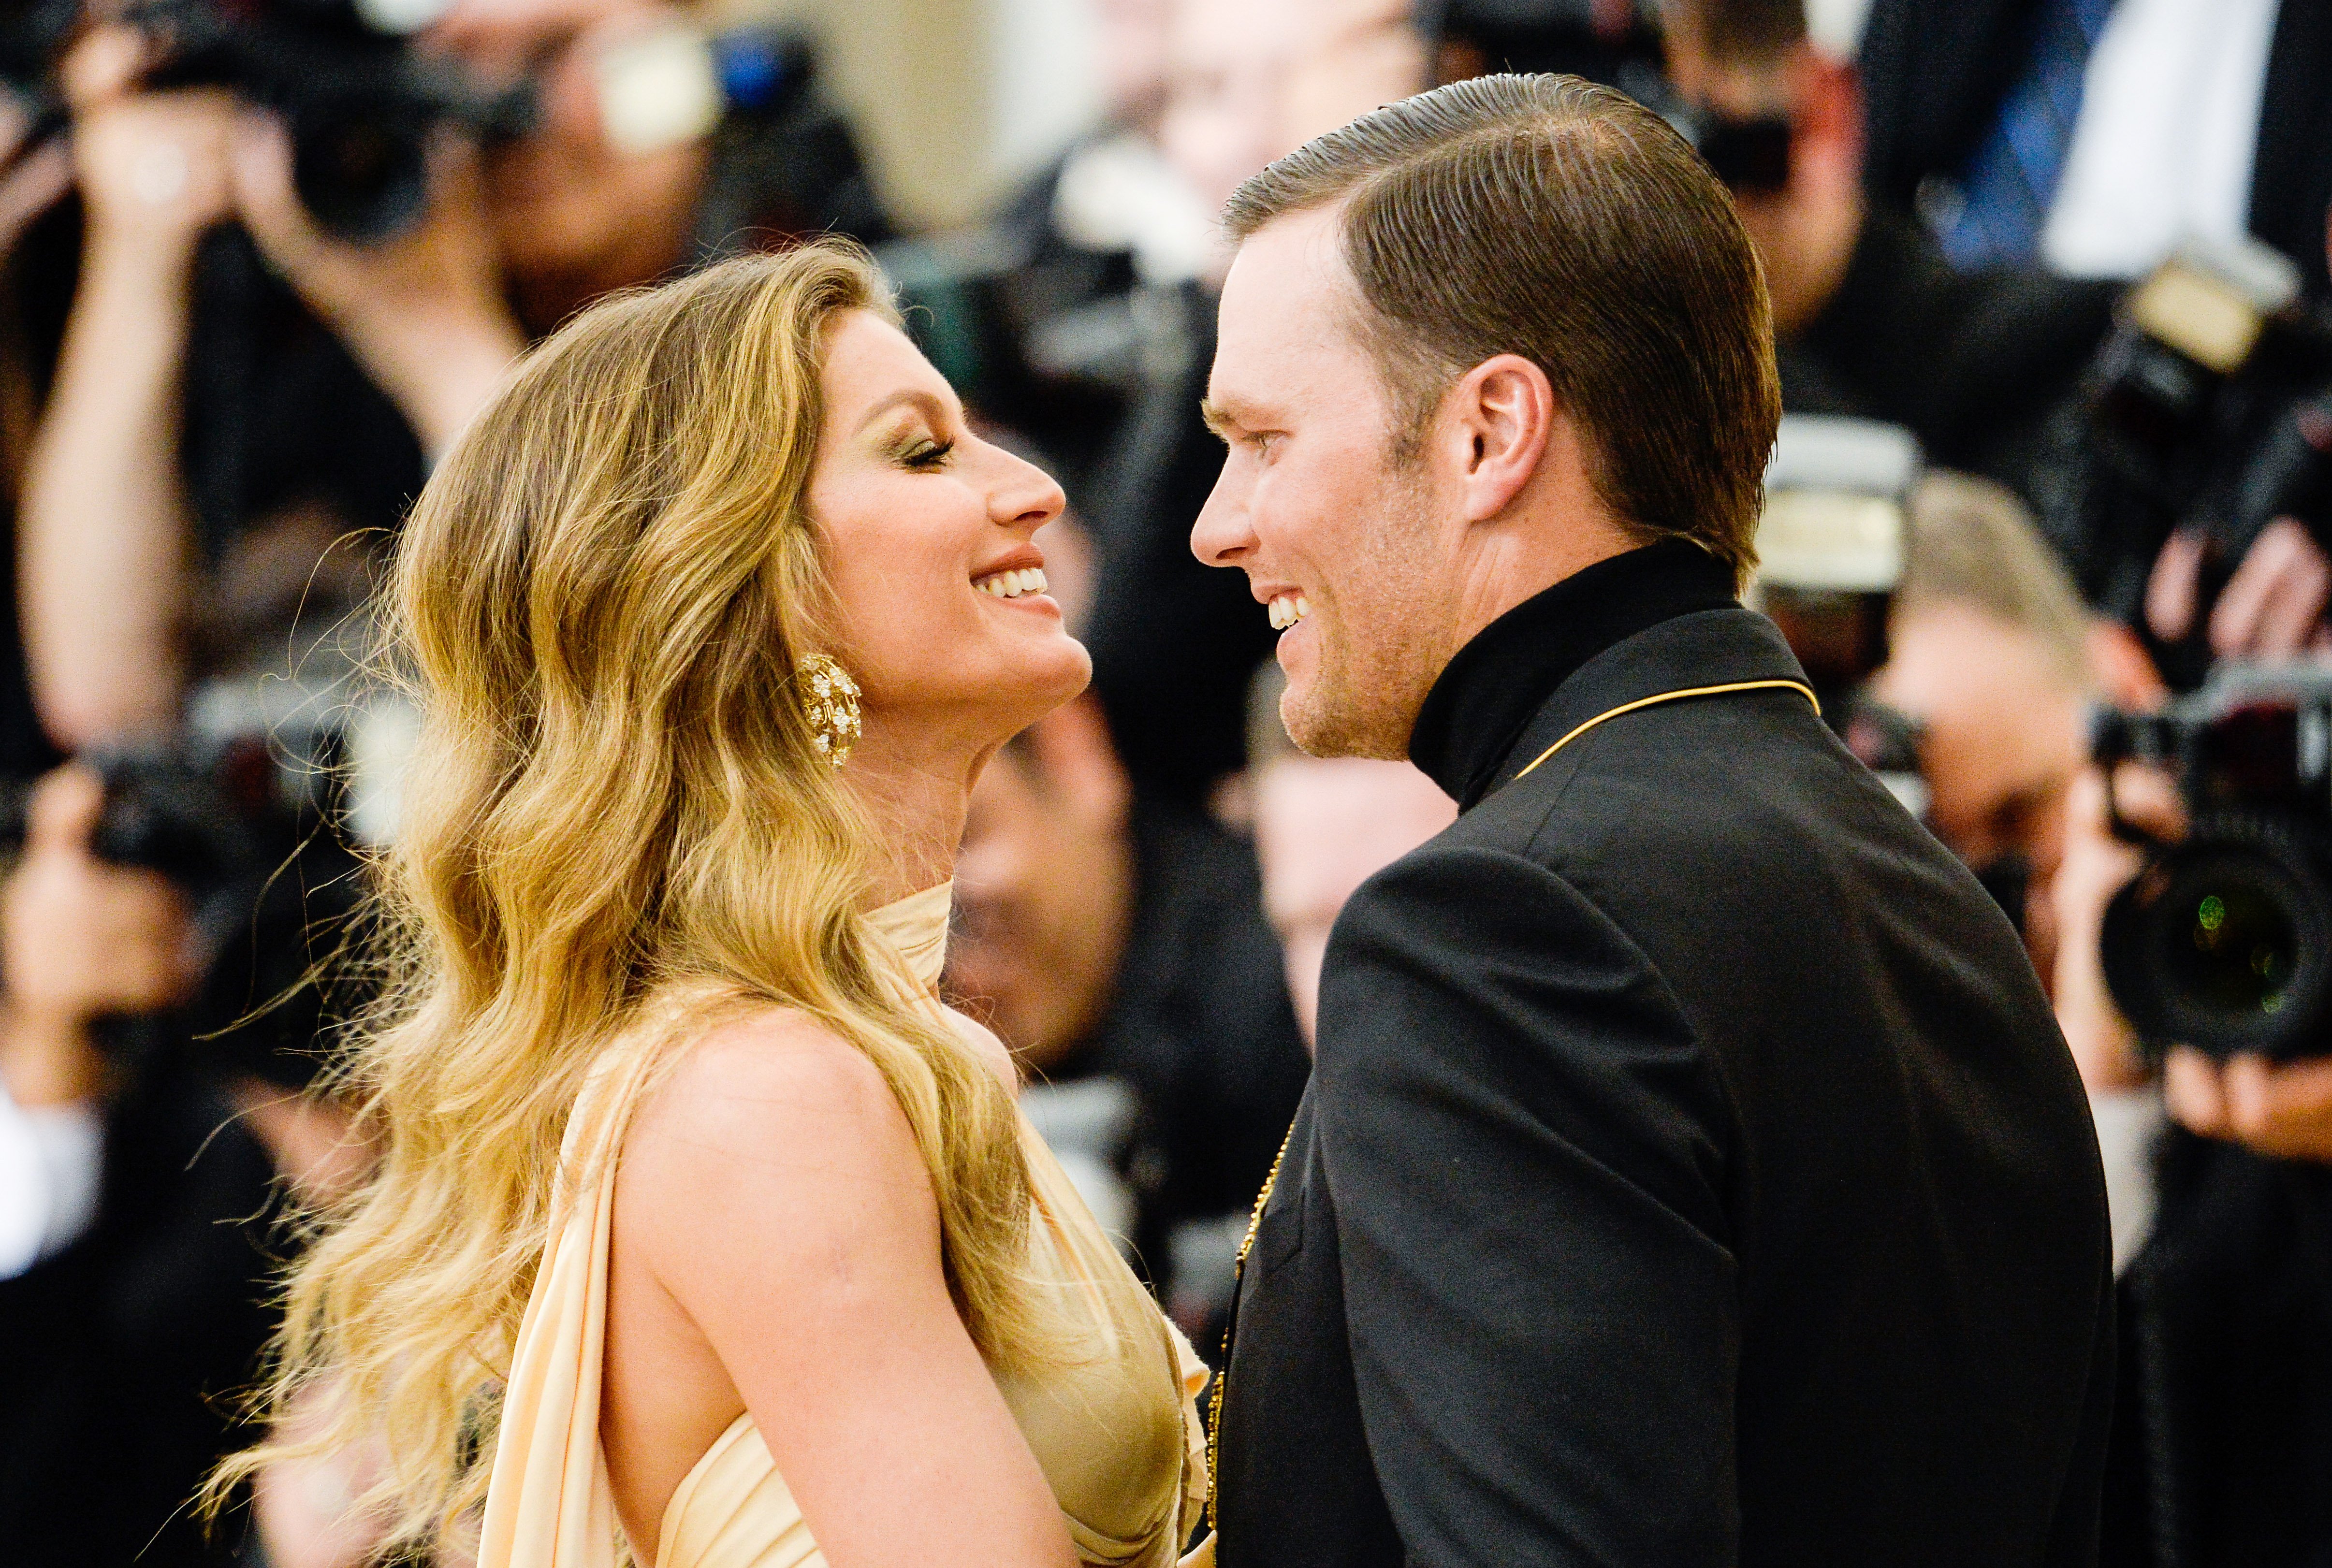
915,397
1220,420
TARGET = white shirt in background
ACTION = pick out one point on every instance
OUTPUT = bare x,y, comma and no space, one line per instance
51,1158
2162,150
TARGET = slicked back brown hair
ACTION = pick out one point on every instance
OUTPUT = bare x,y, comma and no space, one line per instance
1545,216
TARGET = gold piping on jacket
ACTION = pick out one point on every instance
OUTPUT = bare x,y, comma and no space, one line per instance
1672,697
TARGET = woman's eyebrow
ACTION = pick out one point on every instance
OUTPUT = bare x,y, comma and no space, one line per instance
914,396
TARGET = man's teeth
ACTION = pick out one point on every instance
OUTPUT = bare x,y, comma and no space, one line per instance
1287,610
1011,585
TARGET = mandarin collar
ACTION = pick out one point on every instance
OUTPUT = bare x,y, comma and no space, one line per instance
1488,693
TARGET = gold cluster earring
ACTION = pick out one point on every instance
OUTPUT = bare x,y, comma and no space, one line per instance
830,704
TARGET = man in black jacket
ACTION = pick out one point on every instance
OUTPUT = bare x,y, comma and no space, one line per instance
1692,1172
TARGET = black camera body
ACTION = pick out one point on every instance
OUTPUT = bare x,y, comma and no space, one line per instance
2209,407
360,102
2223,940
242,831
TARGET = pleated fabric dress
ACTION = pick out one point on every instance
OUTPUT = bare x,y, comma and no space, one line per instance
1115,1429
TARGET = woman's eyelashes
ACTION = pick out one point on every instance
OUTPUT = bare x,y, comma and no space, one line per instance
926,455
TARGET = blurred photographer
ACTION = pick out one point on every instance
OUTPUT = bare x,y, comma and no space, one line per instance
2192,905
1869,319
140,1198
244,381
2189,482
1993,665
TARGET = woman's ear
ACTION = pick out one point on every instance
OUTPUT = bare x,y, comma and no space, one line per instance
1497,422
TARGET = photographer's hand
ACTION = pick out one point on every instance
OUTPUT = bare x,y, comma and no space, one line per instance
422,312
2097,864
2271,607
38,178
79,939
152,165
2282,1110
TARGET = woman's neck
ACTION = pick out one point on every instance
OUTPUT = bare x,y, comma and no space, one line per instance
918,797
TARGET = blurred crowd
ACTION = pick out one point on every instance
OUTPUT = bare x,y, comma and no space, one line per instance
2048,524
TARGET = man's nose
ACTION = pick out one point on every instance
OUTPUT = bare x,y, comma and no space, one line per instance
1222,536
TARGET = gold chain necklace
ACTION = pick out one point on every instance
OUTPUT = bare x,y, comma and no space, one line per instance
1223,1378
1255,1220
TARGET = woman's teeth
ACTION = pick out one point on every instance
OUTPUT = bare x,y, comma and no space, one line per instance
1011,585
1287,610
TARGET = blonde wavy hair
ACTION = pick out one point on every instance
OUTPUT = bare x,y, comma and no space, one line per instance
597,606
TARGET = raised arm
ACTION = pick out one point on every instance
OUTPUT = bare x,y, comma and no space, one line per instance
774,1193
103,549
1517,1129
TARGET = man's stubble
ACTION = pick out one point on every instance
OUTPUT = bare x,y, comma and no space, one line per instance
1383,634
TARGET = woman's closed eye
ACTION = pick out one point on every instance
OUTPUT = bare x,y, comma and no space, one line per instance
927,455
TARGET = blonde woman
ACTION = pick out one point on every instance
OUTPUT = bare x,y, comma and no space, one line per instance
704,1231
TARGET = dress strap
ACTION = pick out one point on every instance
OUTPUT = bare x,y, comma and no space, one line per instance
548,1504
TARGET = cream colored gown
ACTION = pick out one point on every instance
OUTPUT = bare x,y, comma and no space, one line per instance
1116,1432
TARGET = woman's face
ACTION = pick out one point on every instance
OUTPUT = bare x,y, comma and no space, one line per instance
944,619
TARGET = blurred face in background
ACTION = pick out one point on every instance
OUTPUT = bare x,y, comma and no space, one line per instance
1351,57
1044,886
1804,231
1131,41
568,206
1251,81
1322,827
2004,734
1227,69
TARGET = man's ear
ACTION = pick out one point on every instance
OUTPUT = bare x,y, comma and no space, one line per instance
1496,425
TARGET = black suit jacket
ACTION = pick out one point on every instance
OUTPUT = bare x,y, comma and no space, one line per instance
1692,1172
1934,73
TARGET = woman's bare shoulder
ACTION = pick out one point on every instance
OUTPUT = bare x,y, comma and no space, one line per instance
769,1122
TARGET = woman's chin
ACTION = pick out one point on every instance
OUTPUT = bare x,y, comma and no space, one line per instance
1045,675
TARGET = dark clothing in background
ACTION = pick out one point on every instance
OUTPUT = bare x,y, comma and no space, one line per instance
1175,643
124,1349
1200,1030
1693,1173
2223,1436
1970,363
1934,72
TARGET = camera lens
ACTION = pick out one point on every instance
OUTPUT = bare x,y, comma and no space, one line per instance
362,167
2238,956
2221,941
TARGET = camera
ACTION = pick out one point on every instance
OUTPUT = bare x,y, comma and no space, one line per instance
1749,155
360,102
2210,406
2223,940
1830,543
238,810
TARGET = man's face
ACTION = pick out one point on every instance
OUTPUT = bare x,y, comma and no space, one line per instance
2003,731
1805,230
1310,504
1321,829
1044,896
